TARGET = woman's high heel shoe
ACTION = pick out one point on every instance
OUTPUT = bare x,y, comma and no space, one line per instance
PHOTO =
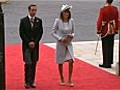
70,84
62,83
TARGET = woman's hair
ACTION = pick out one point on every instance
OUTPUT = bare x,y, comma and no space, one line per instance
109,1
61,14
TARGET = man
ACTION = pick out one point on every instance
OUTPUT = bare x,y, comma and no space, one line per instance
107,27
31,31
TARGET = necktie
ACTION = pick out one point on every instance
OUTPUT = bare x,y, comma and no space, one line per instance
32,21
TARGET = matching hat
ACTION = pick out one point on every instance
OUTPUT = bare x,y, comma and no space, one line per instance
65,7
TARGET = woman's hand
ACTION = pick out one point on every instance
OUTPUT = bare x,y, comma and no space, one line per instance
71,36
63,40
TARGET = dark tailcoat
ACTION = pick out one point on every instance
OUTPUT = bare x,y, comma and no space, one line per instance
28,34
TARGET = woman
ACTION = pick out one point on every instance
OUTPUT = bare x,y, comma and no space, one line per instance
63,32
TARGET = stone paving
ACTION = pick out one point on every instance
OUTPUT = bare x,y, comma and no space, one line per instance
85,51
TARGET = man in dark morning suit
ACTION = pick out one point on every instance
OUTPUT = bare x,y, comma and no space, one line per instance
107,27
31,31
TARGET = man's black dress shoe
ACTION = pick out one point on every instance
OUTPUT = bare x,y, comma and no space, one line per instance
104,66
27,86
33,85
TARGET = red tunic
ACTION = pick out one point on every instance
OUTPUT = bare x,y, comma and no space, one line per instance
106,14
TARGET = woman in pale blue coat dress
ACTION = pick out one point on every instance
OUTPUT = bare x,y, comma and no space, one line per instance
64,27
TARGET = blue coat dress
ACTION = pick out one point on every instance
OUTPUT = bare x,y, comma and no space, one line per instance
59,31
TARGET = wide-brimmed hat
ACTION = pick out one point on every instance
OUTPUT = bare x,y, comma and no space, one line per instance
65,7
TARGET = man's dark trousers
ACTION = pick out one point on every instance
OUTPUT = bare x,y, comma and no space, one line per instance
30,65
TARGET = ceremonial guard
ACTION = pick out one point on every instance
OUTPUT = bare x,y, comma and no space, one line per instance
107,27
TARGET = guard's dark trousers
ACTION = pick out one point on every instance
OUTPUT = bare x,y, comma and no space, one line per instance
107,49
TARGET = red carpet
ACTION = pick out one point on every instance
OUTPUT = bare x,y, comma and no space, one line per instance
85,76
